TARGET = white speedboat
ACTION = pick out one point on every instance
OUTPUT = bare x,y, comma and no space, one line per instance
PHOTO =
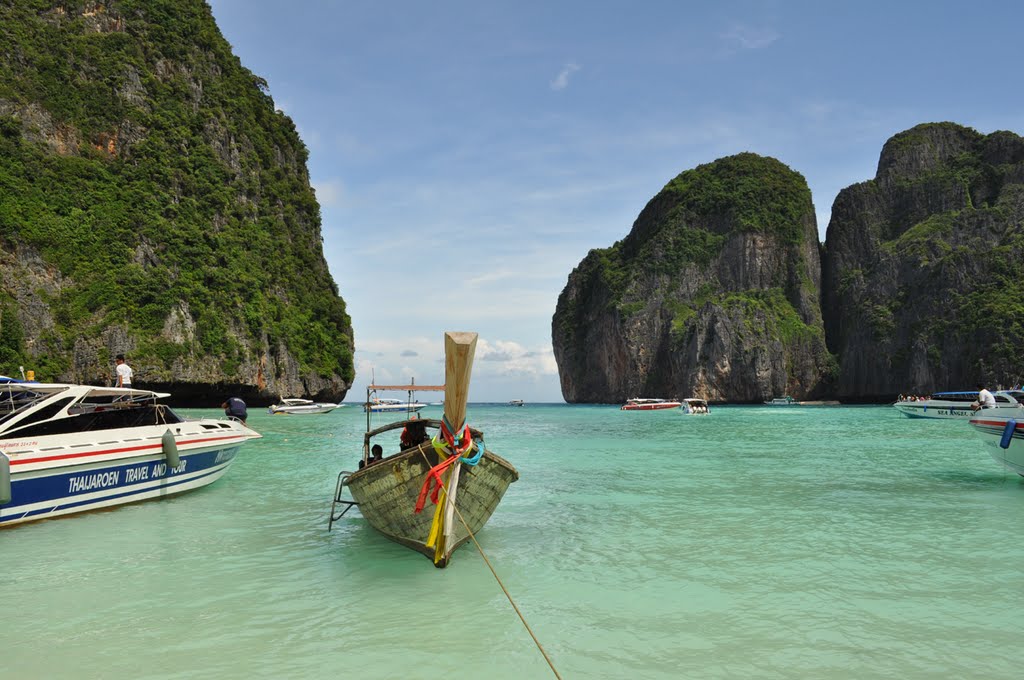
301,406
1003,436
388,405
643,404
783,401
70,448
951,405
694,407
516,402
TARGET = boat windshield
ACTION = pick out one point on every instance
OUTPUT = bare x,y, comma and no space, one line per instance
15,401
98,410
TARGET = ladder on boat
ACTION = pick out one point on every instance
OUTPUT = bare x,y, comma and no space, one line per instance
339,489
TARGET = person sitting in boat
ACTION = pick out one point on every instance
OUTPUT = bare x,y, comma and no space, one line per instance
985,399
414,433
376,456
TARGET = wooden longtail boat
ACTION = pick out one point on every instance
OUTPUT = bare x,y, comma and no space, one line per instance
452,468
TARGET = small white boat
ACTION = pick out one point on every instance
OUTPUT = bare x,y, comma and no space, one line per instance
783,401
388,405
952,405
516,402
639,404
301,406
694,407
70,448
1003,436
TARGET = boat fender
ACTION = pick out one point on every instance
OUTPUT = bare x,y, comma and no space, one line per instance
170,448
5,480
1011,426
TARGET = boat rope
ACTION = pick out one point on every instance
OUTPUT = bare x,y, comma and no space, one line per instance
494,572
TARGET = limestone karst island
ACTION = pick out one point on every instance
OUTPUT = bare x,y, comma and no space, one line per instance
722,289
154,203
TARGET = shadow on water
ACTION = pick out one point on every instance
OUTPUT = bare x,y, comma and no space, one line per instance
980,479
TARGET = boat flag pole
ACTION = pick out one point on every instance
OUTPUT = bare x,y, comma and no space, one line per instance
459,350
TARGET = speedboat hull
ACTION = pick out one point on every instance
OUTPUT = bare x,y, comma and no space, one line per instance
394,408
51,476
961,405
303,410
927,409
1003,438
649,405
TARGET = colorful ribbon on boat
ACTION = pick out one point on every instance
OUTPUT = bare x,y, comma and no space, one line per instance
451,444
459,439
433,484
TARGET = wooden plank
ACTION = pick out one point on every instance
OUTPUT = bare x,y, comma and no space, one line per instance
459,350
407,388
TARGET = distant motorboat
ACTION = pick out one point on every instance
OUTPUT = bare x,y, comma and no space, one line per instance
783,401
515,402
694,407
301,407
638,404
952,405
388,405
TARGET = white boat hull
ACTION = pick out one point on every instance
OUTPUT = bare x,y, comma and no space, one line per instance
993,430
303,410
51,476
394,408
925,410
953,412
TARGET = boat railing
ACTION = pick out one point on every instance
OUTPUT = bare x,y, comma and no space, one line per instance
348,503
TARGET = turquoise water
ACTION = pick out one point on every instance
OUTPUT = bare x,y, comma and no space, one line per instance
757,542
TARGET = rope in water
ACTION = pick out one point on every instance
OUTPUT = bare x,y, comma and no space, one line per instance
500,583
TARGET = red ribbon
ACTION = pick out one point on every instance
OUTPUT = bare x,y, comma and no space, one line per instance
433,480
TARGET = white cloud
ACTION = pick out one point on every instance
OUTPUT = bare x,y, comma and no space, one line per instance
561,81
507,357
749,37
329,192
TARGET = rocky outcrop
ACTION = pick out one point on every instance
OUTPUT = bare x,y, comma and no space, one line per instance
713,293
923,265
154,202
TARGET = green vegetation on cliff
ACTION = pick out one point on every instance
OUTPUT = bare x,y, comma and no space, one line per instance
144,163
937,267
765,314
753,193
697,213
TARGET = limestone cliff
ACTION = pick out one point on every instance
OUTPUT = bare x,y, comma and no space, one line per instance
713,293
154,202
923,266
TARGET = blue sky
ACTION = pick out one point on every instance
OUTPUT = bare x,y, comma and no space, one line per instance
467,155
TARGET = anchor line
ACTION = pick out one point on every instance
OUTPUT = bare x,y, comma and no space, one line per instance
500,583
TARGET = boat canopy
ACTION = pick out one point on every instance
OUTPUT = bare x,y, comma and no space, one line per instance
956,396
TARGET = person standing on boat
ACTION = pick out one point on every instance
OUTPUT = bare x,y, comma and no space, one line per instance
985,398
123,371
235,408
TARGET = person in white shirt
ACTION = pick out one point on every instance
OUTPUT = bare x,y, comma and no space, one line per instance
124,372
985,398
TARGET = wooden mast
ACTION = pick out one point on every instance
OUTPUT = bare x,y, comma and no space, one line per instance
459,350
